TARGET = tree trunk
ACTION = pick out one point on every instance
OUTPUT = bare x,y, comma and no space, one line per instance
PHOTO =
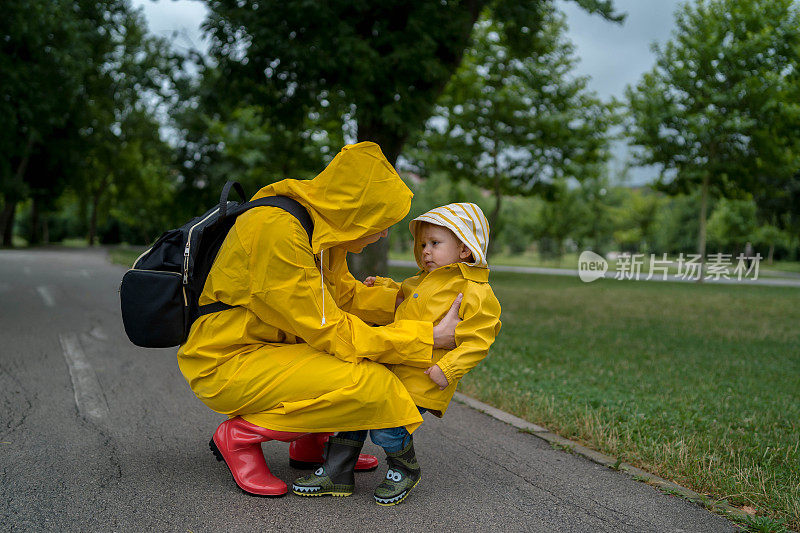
33,234
10,207
3,219
374,259
95,204
495,215
93,221
701,238
770,253
45,231
7,221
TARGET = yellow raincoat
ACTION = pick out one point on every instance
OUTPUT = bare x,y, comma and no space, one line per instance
429,295
295,356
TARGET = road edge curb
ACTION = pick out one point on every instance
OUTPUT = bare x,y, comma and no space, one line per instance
637,474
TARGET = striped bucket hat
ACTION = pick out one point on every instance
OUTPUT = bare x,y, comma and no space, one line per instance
466,221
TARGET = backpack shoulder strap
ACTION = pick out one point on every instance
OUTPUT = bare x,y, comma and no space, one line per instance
291,206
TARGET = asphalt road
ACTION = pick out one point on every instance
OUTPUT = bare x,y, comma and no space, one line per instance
99,435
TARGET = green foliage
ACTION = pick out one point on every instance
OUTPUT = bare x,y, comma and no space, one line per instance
722,96
376,68
87,84
124,156
721,106
243,144
559,218
634,219
517,124
676,225
761,524
41,58
731,224
428,194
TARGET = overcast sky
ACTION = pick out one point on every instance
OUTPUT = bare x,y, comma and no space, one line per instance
612,55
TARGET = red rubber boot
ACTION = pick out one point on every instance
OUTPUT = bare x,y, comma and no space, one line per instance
238,443
305,453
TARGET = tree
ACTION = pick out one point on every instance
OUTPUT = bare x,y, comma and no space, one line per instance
634,218
778,203
518,125
377,67
130,78
80,89
769,237
717,111
558,218
732,224
675,227
43,46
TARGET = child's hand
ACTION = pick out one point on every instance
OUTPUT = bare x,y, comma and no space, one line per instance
370,281
437,376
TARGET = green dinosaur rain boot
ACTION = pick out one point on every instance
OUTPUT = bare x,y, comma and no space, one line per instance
336,476
403,475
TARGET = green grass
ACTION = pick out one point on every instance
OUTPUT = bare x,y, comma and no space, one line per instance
570,261
699,384
784,266
124,256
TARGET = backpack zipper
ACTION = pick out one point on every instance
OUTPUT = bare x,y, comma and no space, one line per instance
188,246
139,258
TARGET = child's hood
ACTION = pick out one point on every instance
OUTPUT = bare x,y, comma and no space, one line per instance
466,221
358,194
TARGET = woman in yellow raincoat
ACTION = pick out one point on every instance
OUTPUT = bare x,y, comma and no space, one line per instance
295,356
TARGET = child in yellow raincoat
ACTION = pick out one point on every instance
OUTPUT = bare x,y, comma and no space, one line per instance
450,244
294,355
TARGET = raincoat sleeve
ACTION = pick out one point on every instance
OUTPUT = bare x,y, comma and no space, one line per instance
387,282
371,304
286,291
480,314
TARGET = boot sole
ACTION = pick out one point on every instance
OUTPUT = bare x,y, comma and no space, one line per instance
317,494
401,499
218,456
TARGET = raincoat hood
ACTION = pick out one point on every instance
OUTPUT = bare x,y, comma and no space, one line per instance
358,194
466,221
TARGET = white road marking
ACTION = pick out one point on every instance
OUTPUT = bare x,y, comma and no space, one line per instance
89,397
98,333
46,295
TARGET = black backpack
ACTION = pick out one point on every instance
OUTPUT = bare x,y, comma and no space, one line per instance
159,294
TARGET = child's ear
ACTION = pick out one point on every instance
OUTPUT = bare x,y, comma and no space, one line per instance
465,252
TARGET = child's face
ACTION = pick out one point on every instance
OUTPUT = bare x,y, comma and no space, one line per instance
440,247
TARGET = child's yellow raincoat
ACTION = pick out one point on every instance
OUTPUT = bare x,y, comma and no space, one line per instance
429,295
296,356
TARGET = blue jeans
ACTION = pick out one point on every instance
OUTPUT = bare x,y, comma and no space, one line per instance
392,440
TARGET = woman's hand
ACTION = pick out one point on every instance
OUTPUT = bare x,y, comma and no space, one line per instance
444,333
437,376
